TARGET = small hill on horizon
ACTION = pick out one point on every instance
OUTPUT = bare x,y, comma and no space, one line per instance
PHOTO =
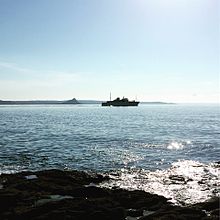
72,101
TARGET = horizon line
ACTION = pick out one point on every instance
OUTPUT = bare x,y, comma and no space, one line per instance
98,100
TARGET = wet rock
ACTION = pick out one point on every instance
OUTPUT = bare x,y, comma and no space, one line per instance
134,212
117,213
177,179
209,205
99,215
137,199
8,200
90,192
57,194
215,212
173,212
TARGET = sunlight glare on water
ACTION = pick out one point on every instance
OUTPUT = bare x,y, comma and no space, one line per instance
185,182
175,145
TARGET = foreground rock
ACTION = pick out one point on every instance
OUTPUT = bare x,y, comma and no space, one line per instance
55,194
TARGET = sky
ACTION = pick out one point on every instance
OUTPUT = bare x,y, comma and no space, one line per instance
152,50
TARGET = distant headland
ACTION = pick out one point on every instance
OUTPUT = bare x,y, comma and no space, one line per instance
73,101
39,102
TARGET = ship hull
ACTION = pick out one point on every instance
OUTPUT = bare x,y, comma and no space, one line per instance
112,103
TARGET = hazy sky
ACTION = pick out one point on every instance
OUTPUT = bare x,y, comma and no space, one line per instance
157,50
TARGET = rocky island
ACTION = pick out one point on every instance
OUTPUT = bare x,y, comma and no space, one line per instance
56,194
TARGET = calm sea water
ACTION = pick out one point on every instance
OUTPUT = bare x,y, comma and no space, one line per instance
158,148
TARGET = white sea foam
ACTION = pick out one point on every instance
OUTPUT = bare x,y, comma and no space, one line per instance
11,169
185,182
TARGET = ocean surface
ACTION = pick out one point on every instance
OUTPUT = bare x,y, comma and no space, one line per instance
171,150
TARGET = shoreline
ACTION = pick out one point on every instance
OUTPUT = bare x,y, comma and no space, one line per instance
57,194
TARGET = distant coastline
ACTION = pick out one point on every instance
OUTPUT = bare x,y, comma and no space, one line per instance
39,102
63,102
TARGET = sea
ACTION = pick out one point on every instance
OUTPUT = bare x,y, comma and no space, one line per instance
168,149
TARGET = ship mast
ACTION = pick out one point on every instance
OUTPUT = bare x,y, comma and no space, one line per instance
110,96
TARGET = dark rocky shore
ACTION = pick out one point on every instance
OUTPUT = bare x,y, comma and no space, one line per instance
55,194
